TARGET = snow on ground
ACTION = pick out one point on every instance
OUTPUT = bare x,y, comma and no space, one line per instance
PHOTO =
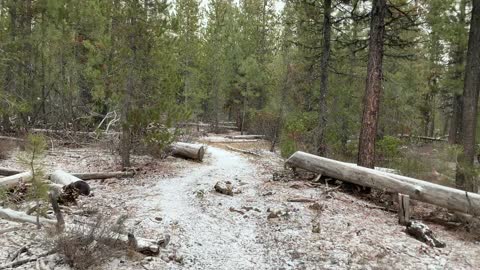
214,231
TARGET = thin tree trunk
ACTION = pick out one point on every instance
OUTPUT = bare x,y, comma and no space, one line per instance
455,131
126,137
466,177
373,89
327,24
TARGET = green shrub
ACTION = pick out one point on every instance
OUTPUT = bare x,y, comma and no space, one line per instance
295,133
388,148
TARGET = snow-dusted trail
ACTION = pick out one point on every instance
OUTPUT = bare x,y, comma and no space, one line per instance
208,234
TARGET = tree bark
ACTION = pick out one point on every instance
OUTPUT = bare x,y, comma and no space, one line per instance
16,216
188,150
455,131
322,112
70,181
466,177
13,180
103,175
450,198
245,137
373,89
143,245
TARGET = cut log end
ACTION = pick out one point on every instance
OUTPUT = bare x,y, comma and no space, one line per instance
188,150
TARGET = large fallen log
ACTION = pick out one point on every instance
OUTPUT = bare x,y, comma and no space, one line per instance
15,139
188,150
425,138
83,176
245,137
214,140
13,180
242,151
8,171
205,125
70,182
17,216
103,175
146,246
450,198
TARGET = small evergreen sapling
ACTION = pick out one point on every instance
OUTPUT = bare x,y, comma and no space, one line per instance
31,158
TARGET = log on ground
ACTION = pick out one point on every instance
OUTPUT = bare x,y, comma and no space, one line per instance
143,245
245,137
8,171
13,180
188,150
103,175
17,216
242,151
450,198
70,182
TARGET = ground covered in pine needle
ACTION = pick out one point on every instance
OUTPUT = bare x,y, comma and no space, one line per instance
256,228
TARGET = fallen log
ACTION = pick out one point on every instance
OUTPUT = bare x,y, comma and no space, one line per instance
82,176
103,175
7,138
205,125
301,200
70,182
188,150
245,137
229,141
13,180
8,171
143,245
17,216
426,138
450,198
242,151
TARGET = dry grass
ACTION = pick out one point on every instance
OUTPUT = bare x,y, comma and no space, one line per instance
90,245
6,148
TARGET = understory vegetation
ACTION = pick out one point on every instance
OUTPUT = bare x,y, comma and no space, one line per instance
291,70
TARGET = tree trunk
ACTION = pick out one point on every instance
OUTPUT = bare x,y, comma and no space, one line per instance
466,176
70,181
126,138
450,198
13,180
455,131
103,175
245,137
456,121
322,112
142,245
188,150
373,89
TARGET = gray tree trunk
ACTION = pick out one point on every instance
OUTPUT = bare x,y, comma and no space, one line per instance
466,177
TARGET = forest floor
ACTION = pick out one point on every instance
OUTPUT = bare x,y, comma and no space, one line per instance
256,228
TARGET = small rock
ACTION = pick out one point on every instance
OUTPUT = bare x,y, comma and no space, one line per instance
272,215
164,242
235,210
316,206
224,187
422,233
165,258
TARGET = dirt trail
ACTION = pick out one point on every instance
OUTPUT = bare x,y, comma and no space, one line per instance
209,235
214,231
